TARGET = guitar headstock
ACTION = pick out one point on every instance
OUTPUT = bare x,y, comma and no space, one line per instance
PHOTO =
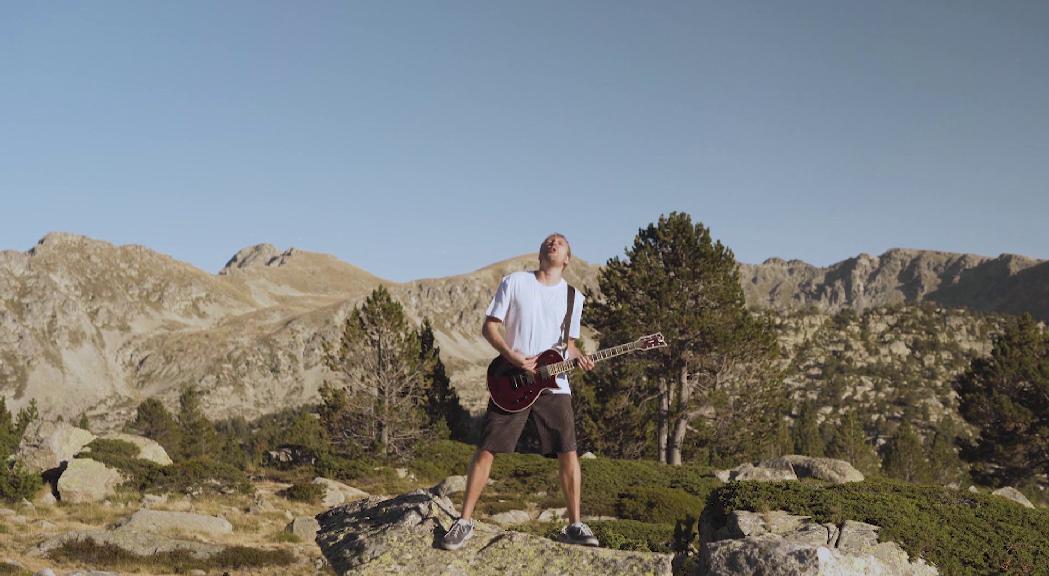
651,341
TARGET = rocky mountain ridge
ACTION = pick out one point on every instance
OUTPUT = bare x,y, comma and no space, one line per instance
89,327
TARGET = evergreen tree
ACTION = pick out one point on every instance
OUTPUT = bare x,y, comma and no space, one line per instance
27,416
905,456
807,438
946,466
153,421
849,443
197,437
677,280
1006,397
381,402
83,423
445,414
9,436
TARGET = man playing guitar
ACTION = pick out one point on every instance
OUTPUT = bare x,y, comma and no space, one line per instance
533,307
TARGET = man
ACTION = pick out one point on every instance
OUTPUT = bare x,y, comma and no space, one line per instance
532,306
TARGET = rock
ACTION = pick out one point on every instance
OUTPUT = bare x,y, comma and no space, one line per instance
337,493
147,449
762,473
85,480
132,541
511,518
183,522
46,497
770,555
45,572
1014,495
588,456
151,500
396,536
5,512
450,485
305,527
46,445
858,536
723,475
290,456
553,515
828,469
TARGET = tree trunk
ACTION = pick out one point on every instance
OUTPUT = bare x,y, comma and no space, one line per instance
677,436
664,419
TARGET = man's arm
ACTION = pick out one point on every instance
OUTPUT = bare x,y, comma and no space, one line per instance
491,333
585,362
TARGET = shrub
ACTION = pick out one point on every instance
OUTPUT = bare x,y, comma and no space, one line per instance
198,475
304,492
658,505
123,456
633,535
17,483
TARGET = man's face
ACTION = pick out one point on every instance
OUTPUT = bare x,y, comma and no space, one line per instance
554,249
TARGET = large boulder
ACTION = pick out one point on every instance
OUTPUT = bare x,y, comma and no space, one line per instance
146,520
1014,495
147,449
305,527
775,472
829,469
85,480
336,493
398,535
46,445
131,541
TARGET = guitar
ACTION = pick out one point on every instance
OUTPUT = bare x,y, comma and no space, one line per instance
513,389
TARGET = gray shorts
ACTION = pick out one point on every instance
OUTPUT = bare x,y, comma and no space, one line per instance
554,422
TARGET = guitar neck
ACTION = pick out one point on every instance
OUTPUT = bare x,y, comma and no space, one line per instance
573,363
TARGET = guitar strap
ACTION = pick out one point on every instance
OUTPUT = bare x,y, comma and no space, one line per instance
568,319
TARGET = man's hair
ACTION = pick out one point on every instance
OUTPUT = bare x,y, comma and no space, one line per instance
557,235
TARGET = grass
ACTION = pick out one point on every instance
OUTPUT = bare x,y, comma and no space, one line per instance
87,552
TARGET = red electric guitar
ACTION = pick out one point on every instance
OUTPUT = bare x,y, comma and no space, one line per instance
514,389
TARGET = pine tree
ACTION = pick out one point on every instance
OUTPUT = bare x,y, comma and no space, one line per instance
26,416
905,456
380,401
153,421
1006,397
446,415
849,443
945,465
677,280
196,433
9,437
807,438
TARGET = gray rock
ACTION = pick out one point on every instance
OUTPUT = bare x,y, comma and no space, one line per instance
132,541
45,572
305,527
770,555
588,456
1014,495
5,512
858,537
182,522
450,485
151,500
336,493
397,536
553,515
85,480
511,518
829,469
748,472
46,445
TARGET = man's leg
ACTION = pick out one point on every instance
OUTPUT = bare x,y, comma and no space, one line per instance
476,479
571,483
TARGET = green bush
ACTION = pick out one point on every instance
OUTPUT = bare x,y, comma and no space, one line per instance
304,492
658,505
959,532
17,483
437,460
198,475
634,535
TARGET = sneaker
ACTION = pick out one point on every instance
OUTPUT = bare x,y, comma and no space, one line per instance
458,534
579,533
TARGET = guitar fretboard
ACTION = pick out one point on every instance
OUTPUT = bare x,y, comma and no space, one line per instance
573,363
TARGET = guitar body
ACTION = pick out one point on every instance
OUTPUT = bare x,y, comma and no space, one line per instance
512,389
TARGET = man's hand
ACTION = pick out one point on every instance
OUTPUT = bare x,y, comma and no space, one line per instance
585,362
526,363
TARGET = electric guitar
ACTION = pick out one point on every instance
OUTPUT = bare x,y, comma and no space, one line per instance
513,389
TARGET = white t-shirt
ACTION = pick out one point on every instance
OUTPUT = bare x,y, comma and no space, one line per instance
532,313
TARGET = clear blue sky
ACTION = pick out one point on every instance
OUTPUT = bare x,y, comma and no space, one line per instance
430,138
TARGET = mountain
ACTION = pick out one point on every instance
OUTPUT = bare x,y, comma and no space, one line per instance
87,327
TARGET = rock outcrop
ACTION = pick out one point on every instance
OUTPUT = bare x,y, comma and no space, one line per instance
46,445
400,535
85,480
780,544
162,521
